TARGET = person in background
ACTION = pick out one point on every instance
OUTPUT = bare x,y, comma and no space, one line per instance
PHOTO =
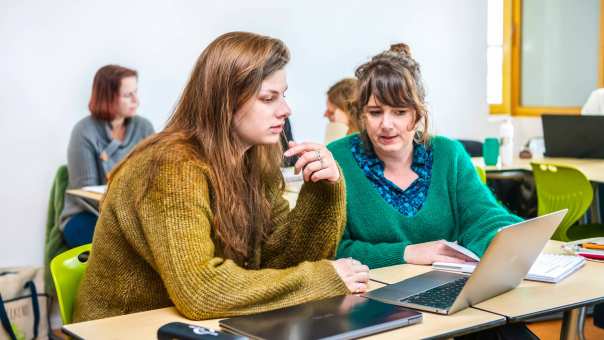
98,142
341,109
195,215
595,106
407,191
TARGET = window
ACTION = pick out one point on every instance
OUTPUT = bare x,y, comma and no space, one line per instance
548,53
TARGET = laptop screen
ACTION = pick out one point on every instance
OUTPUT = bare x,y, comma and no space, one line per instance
573,136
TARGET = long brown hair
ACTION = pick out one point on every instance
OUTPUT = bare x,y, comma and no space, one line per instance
394,78
344,95
228,73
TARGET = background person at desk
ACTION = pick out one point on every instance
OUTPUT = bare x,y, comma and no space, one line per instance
406,190
595,106
195,217
341,109
98,142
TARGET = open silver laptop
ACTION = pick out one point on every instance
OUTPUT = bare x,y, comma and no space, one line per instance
505,263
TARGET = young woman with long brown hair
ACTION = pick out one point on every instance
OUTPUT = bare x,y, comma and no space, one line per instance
195,217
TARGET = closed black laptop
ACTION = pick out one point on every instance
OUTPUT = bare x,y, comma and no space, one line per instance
341,317
573,136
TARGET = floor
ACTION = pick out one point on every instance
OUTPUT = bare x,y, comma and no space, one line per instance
550,330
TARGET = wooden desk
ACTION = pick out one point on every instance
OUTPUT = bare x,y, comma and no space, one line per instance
530,298
292,189
144,325
592,168
94,196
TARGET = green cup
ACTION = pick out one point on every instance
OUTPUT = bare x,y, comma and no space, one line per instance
490,151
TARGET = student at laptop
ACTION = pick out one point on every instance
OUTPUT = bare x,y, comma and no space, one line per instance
406,190
194,217
98,142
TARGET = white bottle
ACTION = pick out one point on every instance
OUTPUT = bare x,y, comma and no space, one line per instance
506,134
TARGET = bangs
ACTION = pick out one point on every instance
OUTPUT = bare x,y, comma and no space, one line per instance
388,87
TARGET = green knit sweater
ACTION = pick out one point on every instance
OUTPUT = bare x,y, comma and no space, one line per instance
458,208
162,252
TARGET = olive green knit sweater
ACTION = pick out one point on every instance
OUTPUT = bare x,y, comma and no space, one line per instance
161,252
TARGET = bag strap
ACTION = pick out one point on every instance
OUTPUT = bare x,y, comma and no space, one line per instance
35,304
5,321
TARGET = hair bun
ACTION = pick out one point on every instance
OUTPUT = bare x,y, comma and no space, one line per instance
402,49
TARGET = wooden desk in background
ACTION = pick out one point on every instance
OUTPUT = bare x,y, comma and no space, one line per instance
530,298
94,196
592,168
292,189
144,325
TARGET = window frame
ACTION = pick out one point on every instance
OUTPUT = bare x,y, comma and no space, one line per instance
512,72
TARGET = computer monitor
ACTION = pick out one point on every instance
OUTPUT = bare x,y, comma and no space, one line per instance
573,136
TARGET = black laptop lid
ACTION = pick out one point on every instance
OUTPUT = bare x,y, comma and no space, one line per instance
573,136
341,317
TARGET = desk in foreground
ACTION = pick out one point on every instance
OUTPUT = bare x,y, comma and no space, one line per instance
144,325
530,298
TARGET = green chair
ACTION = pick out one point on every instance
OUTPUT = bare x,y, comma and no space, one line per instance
67,269
565,187
482,174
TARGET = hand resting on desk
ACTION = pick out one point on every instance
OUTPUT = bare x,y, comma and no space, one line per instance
434,251
354,274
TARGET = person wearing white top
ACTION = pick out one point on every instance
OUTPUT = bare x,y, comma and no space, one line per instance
594,104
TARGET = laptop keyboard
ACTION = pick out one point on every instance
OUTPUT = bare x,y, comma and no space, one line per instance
441,297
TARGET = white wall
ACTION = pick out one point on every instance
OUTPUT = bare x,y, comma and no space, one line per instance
51,49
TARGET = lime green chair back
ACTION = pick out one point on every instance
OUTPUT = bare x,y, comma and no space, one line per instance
562,187
482,174
67,269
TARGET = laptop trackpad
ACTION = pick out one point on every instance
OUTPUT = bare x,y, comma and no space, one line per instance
412,286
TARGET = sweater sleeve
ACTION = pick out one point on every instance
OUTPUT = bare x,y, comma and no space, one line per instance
82,159
309,232
479,213
175,216
374,255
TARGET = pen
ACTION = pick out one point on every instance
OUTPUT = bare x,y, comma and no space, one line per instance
593,246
